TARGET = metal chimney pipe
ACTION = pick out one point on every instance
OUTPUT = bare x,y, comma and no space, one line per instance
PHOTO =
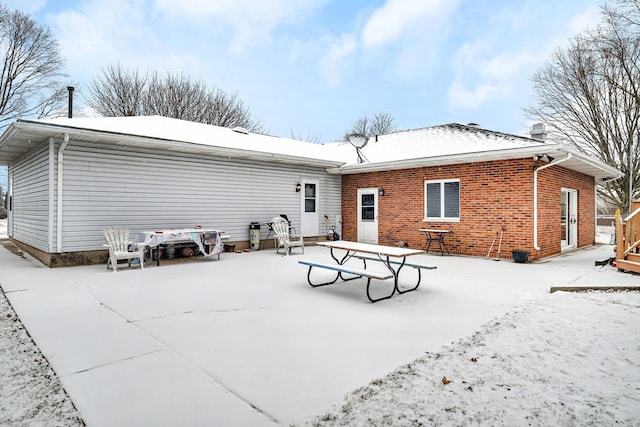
70,89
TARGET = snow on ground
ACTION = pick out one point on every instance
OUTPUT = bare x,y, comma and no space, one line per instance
550,359
569,359
30,392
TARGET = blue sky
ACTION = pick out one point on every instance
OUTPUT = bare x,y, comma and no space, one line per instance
310,68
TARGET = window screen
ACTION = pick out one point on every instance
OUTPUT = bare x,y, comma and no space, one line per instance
368,207
309,197
442,199
433,200
452,200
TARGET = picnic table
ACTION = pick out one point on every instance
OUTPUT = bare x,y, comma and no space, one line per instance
392,258
435,235
201,237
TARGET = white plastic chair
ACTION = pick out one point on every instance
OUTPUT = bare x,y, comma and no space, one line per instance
281,231
118,243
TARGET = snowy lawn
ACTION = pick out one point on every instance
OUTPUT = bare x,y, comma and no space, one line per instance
568,359
245,341
30,392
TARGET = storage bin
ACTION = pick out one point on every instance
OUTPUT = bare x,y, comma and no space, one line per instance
520,256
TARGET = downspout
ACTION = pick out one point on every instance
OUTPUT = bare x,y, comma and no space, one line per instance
9,196
52,189
60,180
535,197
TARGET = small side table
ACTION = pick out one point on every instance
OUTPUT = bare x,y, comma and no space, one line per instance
434,235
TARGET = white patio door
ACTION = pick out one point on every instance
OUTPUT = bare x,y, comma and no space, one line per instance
309,205
569,219
368,215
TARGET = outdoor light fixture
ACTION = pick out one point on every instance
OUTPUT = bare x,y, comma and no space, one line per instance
381,191
298,187
544,157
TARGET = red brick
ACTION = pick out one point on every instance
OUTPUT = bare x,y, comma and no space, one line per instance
492,195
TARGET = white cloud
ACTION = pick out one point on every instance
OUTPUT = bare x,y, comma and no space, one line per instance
481,77
332,62
507,65
587,18
26,6
404,37
400,18
462,97
252,21
98,33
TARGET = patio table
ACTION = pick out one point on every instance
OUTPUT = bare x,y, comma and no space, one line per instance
156,239
435,235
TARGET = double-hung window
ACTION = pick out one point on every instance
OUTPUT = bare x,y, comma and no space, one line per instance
442,200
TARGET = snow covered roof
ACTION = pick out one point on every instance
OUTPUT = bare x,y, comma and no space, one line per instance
455,143
431,146
164,134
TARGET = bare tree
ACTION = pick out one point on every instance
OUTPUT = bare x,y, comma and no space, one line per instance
31,69
379,124
308,138
119,92
589,94
228,110
176,96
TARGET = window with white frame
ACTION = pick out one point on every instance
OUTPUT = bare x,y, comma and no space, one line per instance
442,200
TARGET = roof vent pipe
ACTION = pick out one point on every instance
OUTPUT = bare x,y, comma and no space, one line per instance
538,131
70,89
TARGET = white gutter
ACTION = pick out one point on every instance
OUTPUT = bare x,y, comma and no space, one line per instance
535,197
445,159
60,180
52,190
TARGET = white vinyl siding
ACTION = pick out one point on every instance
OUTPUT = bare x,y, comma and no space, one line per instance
145,189
30,199
442,200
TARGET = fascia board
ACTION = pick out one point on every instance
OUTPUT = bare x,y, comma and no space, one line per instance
450,159
555,150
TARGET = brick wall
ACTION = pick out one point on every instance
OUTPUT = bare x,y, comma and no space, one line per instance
550,183
493,196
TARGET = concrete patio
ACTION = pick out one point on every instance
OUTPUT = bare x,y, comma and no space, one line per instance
244,340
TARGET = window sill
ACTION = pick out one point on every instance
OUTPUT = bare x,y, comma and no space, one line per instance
441,220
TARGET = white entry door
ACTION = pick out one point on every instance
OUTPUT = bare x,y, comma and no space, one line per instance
309,204
368,215
569,219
